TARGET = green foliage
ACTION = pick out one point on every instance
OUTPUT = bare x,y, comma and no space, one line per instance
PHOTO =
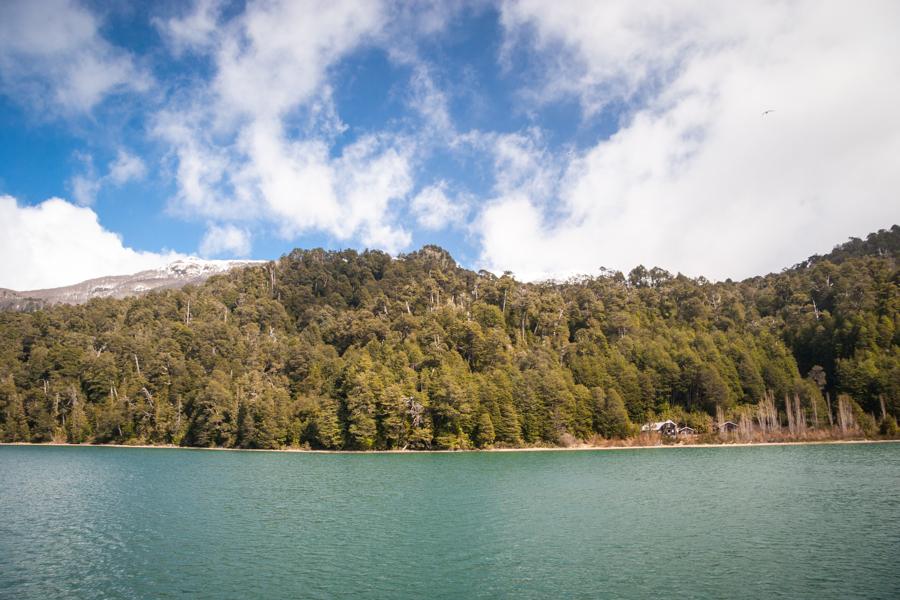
610,419
15,424
347,350
889,427
485,434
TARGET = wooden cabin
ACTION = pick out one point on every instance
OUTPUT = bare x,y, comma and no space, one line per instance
662,427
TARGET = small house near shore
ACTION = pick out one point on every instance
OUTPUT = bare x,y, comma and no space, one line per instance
726,427
687,431
662,427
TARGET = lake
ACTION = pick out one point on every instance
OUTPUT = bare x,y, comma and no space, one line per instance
817,521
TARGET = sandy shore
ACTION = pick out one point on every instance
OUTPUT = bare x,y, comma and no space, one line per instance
581,448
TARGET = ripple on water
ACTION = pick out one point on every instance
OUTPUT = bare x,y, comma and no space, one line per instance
800,521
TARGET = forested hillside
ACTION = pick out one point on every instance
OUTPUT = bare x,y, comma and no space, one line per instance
347,350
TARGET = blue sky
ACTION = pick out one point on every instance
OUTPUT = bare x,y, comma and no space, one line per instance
549,139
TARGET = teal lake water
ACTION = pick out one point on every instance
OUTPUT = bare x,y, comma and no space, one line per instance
791,522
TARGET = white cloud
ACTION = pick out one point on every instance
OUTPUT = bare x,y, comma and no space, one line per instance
242,155
58,243
435,211
430,101
225,240
697,179
124,168
194,30
605,51
522,164
281,50
85,186
52,55
201,166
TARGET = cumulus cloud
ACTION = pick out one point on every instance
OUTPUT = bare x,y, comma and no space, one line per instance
58,243
434,210
53,55
225,240
697,179
124,168
268,156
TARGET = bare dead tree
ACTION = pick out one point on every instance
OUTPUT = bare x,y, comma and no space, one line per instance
746,426
762,418
845,414
828,406
272,277
789,410
841,419
415,410
815,413
767,415
148,395
801,416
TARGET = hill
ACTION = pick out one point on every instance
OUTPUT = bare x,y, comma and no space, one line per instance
348,350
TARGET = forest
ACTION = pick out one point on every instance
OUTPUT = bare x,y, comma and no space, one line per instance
363,351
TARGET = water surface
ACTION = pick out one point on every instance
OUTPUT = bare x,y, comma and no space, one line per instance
791,521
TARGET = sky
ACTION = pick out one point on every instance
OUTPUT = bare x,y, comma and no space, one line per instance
549,139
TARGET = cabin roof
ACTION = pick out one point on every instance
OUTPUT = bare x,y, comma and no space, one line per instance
657,425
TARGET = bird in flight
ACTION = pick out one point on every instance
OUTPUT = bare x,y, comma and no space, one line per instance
765,112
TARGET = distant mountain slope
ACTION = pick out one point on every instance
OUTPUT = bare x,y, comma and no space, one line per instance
174,275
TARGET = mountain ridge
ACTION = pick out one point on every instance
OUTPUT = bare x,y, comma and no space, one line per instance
193,270
174,275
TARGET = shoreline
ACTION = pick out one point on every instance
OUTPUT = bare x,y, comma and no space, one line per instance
584,448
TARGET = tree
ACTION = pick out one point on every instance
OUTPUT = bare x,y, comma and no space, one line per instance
610,419
214,414
327,424
78,428
485,435
14,427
